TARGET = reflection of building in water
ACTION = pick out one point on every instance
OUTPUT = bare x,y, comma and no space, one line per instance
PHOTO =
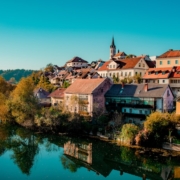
165,172
177,172
79,151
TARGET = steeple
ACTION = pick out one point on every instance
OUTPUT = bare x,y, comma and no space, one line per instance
112,44
112,49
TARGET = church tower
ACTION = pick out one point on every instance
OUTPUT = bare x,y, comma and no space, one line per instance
112,49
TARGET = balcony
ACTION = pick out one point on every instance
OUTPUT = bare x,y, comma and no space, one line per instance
84,113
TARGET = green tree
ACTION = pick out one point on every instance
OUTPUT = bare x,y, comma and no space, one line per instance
23,104
137,78
128,133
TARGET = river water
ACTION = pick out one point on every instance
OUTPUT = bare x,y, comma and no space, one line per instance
28,155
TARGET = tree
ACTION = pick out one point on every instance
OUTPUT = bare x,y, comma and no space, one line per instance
4,111
137,78
49,68
23,104
128,133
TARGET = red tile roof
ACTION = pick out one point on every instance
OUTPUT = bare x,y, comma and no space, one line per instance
123,64
170,53
84,86
176,73
159,75
58,93
77,59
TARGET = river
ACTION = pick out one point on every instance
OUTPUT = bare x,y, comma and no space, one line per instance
28,155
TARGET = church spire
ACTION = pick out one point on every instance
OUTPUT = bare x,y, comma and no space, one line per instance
112,48
112,44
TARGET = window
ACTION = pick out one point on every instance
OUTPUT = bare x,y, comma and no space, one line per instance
67,97
110,74
125,73
156,73
145,112
163,81
83,108
110,66
136,73
113,66
168,62
176,61
129,73
149,73
101,90
140,111
143,65
139,64
124,110
130,110
160,62
121,73
168,93
163,72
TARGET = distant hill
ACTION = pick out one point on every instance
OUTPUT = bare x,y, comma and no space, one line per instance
16,73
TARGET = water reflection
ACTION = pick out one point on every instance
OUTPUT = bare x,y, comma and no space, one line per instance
94,155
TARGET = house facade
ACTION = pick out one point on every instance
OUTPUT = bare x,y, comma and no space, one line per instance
85,96
77,62
136,101
57,97
170,58
125,67
164,75
42,97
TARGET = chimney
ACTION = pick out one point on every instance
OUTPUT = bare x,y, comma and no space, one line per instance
122,86
146,87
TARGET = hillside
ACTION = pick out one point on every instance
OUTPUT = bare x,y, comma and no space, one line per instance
16,73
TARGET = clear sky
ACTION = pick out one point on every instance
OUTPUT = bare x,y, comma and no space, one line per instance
34,33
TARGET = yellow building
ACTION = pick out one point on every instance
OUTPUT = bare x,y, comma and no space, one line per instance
168,59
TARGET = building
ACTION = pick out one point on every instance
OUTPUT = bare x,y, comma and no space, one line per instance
136,101
57,97
164,75
86,96
123,68
42,97
77,62
170,58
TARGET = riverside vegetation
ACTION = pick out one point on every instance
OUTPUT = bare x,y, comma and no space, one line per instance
18,105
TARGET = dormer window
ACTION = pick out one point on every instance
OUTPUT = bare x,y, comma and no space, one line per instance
114,66
156,73
164,72
139,64
149,73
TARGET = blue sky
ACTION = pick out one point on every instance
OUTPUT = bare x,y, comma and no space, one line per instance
34,33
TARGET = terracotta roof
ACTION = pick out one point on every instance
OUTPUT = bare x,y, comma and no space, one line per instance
176,73
76,59
84,86
58,93
170,53
128,63
137,90
150,74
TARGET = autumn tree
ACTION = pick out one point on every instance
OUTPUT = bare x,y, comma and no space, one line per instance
23,104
